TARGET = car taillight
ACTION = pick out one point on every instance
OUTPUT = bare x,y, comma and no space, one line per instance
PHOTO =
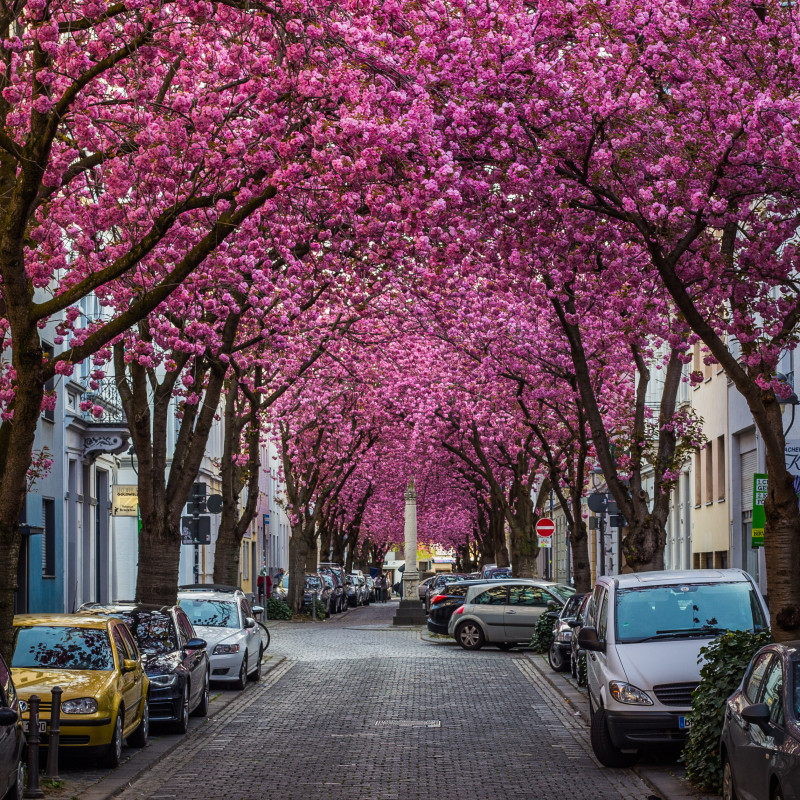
439,598
459,610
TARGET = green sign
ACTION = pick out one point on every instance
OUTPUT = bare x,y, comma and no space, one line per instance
759,496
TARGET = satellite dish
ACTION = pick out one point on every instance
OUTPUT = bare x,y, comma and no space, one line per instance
214,503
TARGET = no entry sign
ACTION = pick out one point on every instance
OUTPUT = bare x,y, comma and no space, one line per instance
545,527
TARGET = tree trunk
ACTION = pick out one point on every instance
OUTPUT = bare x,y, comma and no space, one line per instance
579,549
497,524
298,555
157,539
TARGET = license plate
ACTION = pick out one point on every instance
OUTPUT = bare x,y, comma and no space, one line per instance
684,723
42,726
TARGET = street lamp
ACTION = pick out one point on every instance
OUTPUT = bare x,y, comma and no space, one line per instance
792,400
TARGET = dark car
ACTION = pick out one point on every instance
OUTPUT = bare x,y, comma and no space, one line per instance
560,653
576,624
760,743
498,573
339,602
175,659
446,602
317,585
12,740
353,590
436,586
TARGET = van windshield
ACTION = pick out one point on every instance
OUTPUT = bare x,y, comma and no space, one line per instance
683,611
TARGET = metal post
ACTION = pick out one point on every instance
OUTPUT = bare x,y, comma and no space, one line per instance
32,789
602,543
55,735
314,606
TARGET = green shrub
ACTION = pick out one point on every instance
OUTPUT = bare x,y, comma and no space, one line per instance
321,613
543,632
726,659
277,609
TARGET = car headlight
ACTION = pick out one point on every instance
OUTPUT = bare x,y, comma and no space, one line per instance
225,649
80,705
163,680
626,693
564,636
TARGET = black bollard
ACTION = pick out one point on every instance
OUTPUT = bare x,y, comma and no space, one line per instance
55,734
32,789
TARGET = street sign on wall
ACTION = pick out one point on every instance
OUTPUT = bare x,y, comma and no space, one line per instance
759,518
125,500
545,527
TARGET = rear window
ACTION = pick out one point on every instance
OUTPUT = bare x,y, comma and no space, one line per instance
154,632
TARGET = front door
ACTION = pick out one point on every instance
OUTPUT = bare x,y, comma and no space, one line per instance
525,605
491,609
130,688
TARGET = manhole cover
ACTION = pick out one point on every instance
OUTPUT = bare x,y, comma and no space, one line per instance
408,723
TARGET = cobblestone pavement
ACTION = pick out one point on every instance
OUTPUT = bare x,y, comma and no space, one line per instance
342,718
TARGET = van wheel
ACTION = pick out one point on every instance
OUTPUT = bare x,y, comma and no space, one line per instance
607,754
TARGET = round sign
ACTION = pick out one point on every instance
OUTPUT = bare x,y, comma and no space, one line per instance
545,527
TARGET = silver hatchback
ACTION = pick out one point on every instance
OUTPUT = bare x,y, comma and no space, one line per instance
504,612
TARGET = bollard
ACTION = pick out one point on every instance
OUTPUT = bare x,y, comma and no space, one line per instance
314,606
32,789
55,734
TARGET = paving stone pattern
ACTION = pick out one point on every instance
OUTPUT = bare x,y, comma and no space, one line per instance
309,731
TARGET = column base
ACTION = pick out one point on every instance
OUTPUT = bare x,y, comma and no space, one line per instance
411,613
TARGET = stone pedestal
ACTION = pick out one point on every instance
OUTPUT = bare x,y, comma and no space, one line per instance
411,610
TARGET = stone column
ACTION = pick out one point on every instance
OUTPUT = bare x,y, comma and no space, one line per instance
411,574
410,611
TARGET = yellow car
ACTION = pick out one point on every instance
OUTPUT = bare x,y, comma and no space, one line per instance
96,662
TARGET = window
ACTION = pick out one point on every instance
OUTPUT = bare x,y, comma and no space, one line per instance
698,493
245,563
756,675
50,384
528,596
772,692
602,618
184,626
49,538
56,647
720,468
710,472
496,596
130,644
119,645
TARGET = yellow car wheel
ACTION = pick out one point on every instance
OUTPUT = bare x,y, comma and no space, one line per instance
113,754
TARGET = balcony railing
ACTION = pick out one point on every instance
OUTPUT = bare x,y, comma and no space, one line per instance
106,397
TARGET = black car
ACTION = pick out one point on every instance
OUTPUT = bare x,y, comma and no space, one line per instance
445,602
576,624
175,659
437,586
12,740
317,585
560,653
760,743
339,595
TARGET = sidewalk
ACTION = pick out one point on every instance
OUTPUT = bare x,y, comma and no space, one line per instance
666,777
84,780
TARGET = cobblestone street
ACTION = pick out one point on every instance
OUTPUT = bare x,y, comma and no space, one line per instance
336,720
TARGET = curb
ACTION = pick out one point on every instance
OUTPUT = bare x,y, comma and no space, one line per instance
158,748
664,783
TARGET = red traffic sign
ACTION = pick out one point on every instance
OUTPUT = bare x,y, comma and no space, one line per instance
545,527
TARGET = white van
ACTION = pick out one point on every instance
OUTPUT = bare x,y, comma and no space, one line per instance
642,638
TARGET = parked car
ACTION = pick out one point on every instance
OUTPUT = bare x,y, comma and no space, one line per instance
760,743
450,597
560,653
353,591
12,738
643,637
280,589
97,664
422,587
334,569
373,598
498,573
224,619
175,659
315,584
436,586
361,587
576,624
504,613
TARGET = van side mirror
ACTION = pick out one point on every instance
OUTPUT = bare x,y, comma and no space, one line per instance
589,640
757,714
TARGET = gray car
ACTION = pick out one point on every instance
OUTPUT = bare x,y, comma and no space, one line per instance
504,613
